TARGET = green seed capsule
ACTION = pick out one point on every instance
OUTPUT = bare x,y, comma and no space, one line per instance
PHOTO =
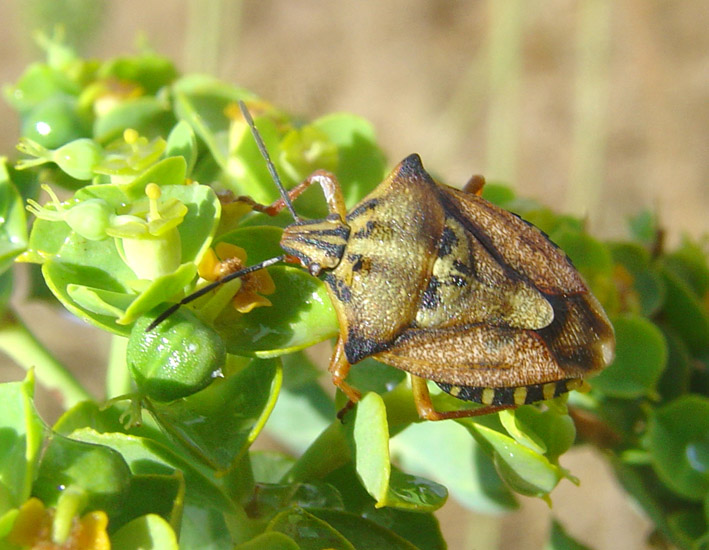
90,218
54,122
77,158
179,357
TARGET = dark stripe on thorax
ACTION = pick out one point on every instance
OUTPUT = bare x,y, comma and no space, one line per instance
332,249
371,204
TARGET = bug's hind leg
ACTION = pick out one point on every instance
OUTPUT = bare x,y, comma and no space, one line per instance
426,410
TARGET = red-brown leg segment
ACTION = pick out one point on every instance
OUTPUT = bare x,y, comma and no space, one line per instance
426,410
339,368
475,185
326,180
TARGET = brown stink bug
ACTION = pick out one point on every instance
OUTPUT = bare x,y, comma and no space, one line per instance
444,285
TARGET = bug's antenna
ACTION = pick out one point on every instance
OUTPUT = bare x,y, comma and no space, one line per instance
204,290
269,163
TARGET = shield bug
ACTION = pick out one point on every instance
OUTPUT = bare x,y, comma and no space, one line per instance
446,286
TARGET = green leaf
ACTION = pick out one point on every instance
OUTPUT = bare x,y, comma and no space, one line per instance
22,434
548,432
201,102
525,471
269,499
39,82
362,533
408,492
301,315
269,541
103,303
678,441
689,263
148,115
168,172
689,529
146,456
369,439
308,531
270,466
59,275
684,312
640,358
99,471
159,291
150,71
157,494
232,412
420,529
676,377
207,528
445,453
522,434
149,532
559,539
361,165
648,289
644,228
13,229
105,419
182,142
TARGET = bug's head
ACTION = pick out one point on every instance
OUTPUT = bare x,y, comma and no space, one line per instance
318,244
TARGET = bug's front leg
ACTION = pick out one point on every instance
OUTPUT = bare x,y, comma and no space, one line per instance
339,368
327,181
426,410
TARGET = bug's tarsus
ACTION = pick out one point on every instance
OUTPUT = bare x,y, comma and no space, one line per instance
269,163
344,410
206,289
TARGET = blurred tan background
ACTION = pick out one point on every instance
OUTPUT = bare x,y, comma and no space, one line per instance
595,107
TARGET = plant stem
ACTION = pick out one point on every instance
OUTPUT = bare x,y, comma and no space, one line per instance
327,453
22,346
117,377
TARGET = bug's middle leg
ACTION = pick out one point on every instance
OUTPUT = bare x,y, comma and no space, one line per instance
339,368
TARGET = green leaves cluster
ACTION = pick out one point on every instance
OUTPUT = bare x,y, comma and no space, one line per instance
147,164
648,410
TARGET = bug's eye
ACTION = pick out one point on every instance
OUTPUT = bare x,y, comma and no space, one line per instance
314,269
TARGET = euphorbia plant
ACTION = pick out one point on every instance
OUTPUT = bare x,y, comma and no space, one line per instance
147,163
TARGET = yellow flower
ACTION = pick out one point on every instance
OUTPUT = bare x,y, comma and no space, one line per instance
34,524
228,258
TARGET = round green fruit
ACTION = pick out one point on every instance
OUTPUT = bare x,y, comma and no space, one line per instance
179,357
